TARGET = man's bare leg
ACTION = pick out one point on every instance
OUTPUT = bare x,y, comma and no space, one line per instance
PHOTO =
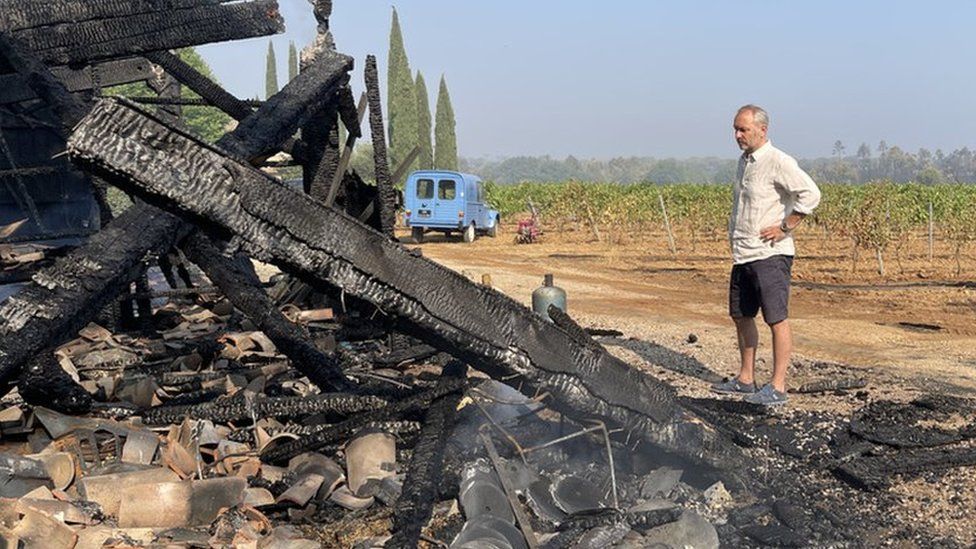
782,348
748,342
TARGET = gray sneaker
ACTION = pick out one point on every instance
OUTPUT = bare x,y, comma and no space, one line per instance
734,387
767,396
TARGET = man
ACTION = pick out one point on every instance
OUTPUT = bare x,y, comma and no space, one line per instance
771,197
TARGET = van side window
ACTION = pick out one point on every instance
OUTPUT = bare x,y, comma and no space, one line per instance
446,189
481,192
425,188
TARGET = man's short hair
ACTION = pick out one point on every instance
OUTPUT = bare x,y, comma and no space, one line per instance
759,115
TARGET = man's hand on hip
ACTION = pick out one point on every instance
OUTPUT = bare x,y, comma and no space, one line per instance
772,234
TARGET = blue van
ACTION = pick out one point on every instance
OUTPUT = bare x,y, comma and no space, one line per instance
443,201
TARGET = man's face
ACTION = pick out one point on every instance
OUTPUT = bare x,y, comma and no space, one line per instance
748,134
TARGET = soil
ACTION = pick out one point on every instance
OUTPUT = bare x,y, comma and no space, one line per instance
915,325
908,334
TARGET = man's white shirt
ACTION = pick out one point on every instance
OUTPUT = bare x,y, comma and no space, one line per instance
769,186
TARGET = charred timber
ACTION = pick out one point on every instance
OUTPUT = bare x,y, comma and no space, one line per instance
415,505
386,195
167,89
186,102
402,429
345,429
237,280
827,385
14,88
910,425
64,297
25,14
571,327
277,119
100,39
876,472
215,95
203,86
476,324
349,112
236,409
68,107
43,382
321,137
28,66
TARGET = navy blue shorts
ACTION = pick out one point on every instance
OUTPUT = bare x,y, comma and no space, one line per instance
762,284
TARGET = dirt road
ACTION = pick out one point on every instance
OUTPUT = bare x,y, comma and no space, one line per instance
910,326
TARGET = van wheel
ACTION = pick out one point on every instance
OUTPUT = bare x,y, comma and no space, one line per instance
493,230
468,234
418,234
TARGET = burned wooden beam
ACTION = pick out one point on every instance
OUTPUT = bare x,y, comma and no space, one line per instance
168,90
877,472
236,278
420,487
401,170
128,35
41,81
340,174
386,195
237,409
25,14
13,88
64,297
45,383
321,136
476,324
281,114
203,86
341,431
833,384
570,326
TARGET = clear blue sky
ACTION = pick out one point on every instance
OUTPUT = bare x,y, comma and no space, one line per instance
662,78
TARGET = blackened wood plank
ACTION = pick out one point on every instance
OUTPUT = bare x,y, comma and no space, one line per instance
99,39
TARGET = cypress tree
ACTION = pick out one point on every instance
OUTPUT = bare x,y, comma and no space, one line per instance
271,73
445,138
426,158
292,61
401,100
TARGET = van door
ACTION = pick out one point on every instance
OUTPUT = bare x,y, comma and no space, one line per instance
480,205
421,201
446,204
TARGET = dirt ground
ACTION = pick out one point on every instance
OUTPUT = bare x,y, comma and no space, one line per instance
908,334
916,326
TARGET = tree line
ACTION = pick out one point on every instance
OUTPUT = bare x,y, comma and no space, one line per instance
408,115
409,123
888,163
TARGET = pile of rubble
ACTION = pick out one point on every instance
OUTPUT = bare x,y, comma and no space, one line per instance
204,435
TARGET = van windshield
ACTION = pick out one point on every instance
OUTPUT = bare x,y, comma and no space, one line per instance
425,188
446,189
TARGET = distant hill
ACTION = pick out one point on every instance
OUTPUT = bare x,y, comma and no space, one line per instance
892,164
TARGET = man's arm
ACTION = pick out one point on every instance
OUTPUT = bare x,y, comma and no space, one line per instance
806,197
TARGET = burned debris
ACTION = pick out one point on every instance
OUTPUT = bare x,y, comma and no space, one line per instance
365,396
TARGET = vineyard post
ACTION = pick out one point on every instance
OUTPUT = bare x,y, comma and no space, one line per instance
667,224
930,230
589,215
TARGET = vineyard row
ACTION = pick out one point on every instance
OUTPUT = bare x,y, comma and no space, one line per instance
874,216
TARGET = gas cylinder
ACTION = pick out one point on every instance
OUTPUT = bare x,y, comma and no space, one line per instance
546,295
